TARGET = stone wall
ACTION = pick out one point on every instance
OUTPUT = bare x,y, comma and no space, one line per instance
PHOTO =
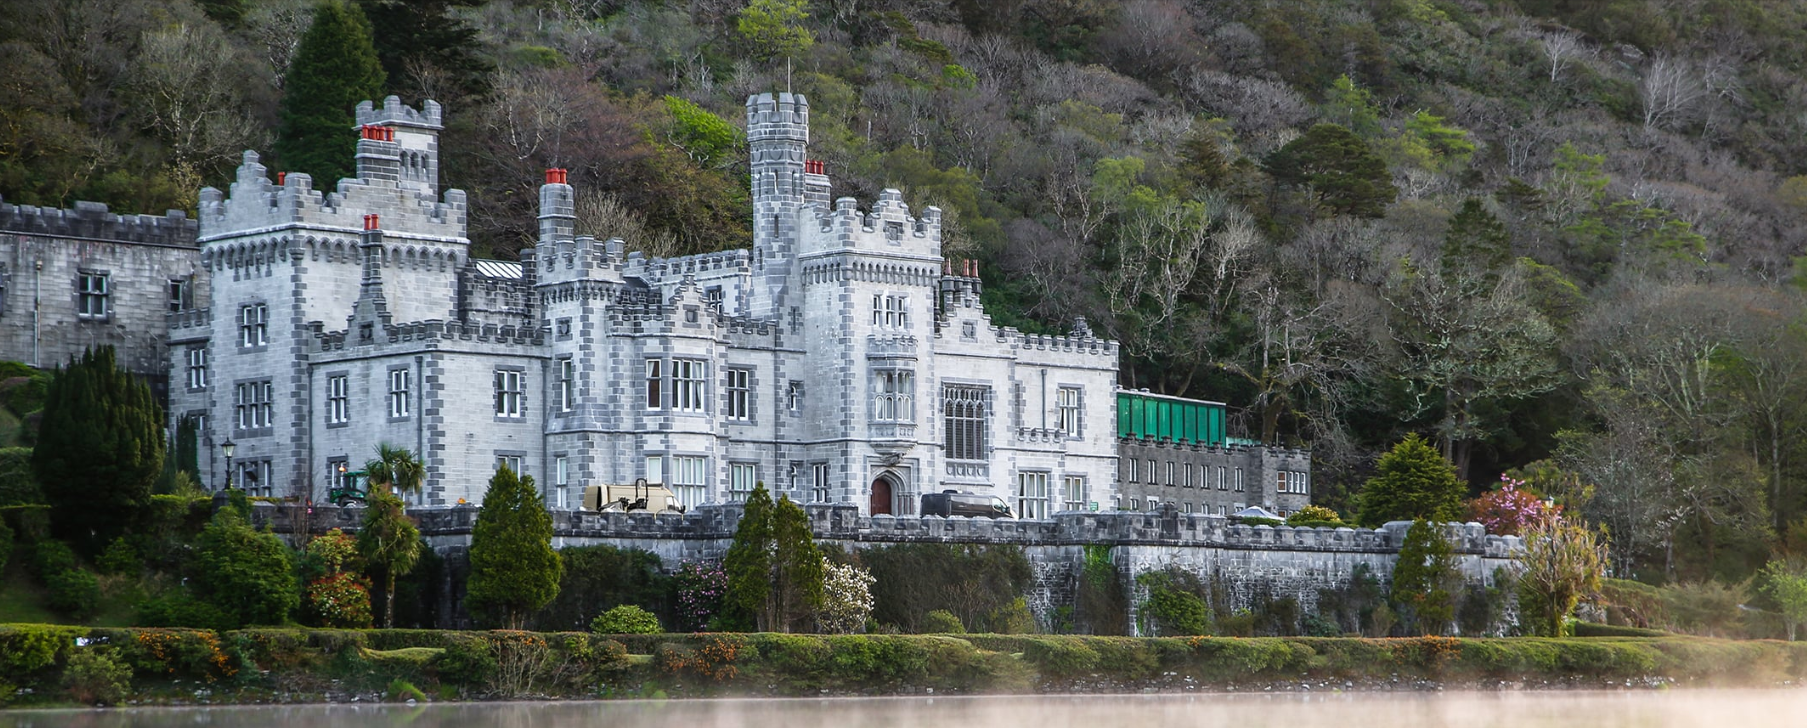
1247,560
44,251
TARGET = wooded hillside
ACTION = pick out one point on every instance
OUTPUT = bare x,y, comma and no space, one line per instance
1557,236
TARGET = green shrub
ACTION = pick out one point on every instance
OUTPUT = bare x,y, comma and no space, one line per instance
28,648
468,660
246,573
1061,657
74,592
1174,605
6,545
1012,618
120,558
625,619
18,485
93,677
50,558
1313,516
1256,521
189,653
30,523
941,621
178,609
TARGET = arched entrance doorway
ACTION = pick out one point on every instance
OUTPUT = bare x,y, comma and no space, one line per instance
881,496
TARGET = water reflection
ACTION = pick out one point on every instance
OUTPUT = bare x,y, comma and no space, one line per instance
1742,709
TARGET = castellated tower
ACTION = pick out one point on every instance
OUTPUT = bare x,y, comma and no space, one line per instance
288,263
784,182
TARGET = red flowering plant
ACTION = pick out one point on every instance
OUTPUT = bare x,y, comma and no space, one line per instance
1509,509
339,598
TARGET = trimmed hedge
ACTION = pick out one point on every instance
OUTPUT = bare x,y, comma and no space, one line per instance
503,664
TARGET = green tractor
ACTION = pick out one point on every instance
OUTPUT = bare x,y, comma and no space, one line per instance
350,491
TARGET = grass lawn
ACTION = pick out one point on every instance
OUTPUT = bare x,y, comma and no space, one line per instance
22,600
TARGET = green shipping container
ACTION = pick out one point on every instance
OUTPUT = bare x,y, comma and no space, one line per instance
1159,417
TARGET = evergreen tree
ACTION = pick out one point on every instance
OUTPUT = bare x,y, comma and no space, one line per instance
1425,579
1345,175
244,572
416,35
188,446
797,571
748,563
1476,241
774,568
229,13
1414,482
335,67
389,543
99,451
514,569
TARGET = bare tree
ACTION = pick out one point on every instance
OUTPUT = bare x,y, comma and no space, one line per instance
1670,89
605,216
184,85
277,27
1562,48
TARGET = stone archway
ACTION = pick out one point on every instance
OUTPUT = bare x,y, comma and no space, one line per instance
881,496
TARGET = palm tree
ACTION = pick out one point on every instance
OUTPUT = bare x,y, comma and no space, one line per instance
389,540
395,469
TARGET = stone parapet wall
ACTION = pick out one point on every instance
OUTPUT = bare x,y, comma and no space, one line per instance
1249,563
841,523
92,221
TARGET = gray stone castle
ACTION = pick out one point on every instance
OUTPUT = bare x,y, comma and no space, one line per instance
841,359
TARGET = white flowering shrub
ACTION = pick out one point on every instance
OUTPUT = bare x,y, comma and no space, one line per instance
846,598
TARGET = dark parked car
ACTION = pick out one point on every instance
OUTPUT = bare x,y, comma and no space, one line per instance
955,503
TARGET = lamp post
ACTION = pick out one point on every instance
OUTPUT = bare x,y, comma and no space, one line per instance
227,448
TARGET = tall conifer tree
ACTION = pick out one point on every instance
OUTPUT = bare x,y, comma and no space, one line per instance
99,451
335,67
748,563
514,569
774,568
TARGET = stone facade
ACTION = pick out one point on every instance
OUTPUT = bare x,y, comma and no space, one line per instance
841,359
71,279
1217,480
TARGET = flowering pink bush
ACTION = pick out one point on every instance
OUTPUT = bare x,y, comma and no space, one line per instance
1510,509
701,588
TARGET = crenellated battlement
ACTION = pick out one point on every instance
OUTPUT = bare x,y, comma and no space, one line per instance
780,115
433,330
254,203
887,228
92,221
395,113
707,265
1068,344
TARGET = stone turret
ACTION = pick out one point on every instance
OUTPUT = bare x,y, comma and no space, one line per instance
784,182
412,142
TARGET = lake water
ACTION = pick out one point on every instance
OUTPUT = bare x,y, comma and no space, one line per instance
1732,708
